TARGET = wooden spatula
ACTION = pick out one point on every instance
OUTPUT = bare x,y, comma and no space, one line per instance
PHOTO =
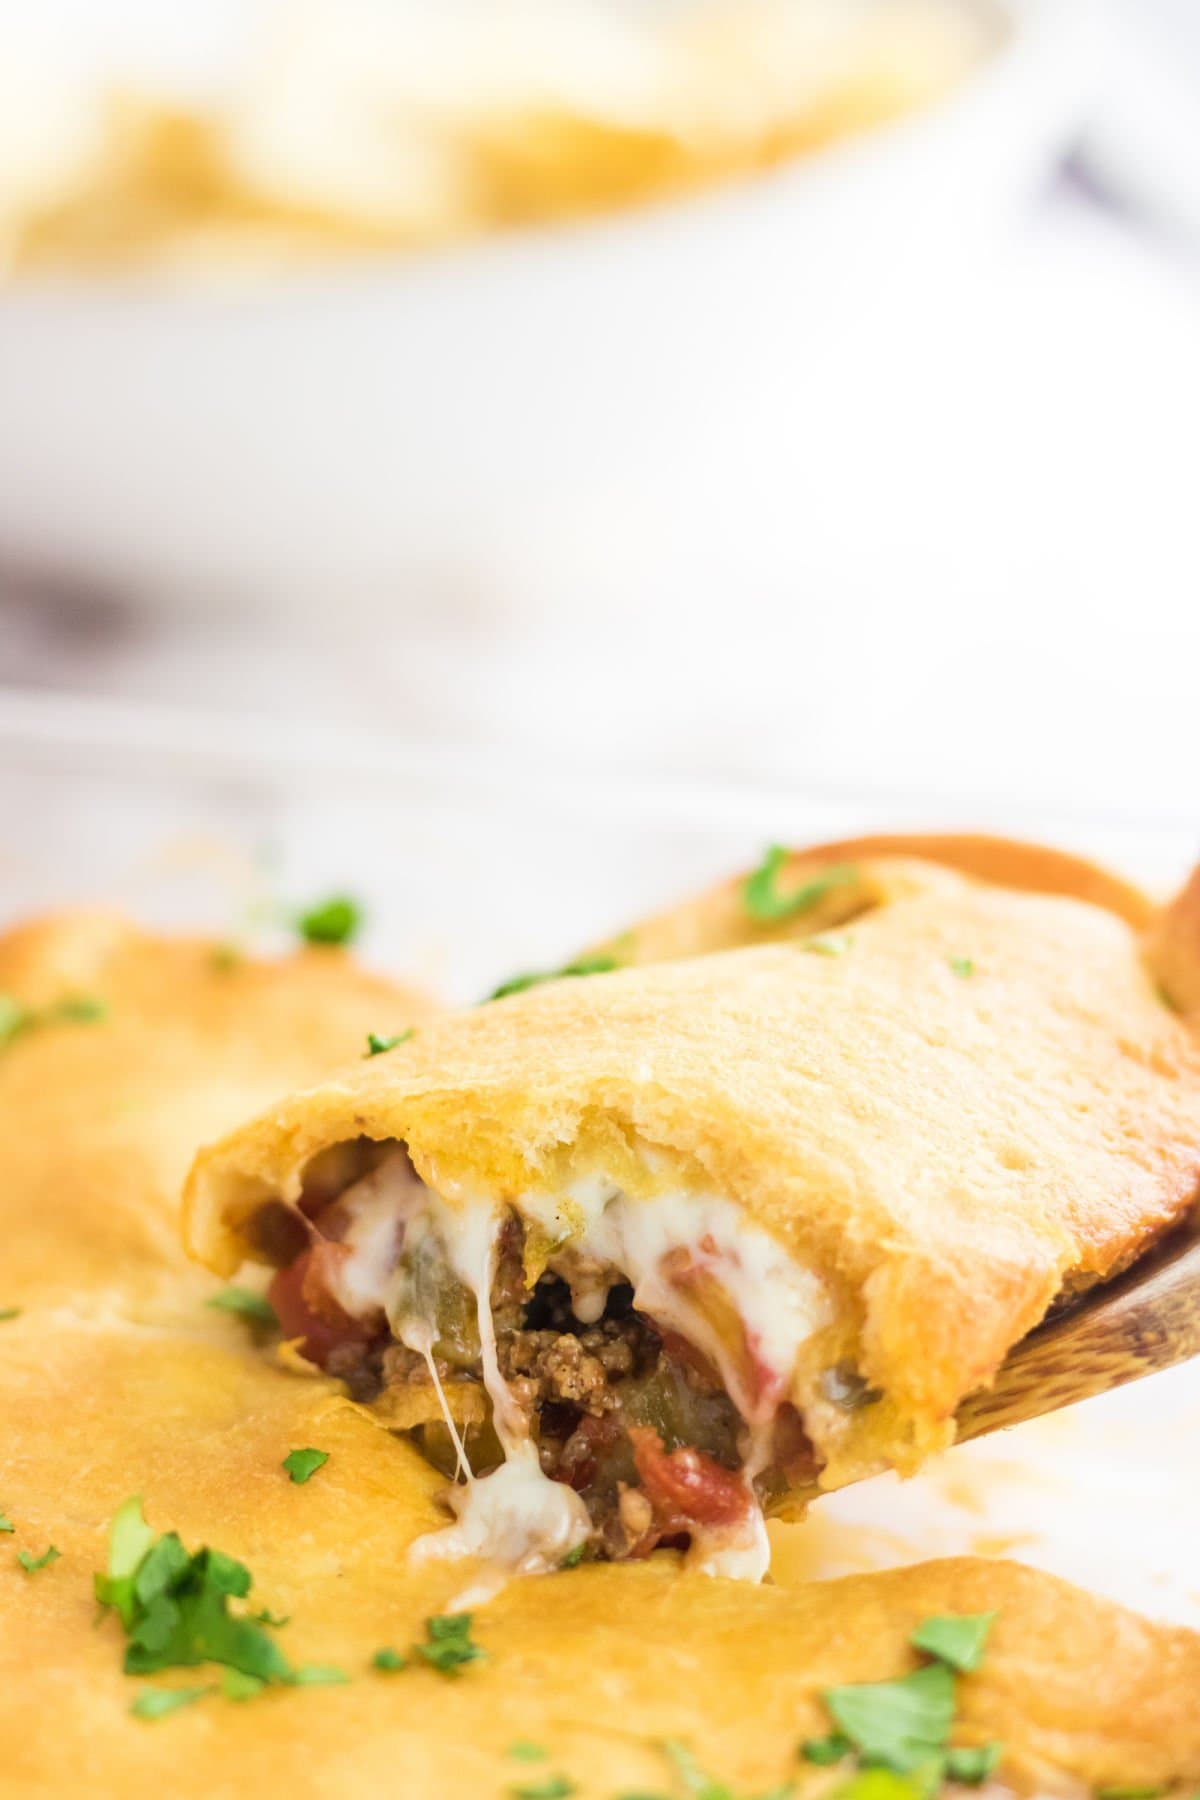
1147,1319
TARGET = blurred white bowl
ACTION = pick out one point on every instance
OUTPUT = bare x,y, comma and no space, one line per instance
362,428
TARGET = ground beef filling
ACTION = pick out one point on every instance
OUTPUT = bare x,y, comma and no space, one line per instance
630,1416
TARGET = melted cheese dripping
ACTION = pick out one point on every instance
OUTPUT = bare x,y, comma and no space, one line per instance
517,1519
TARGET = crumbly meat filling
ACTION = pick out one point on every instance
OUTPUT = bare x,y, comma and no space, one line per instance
624,1411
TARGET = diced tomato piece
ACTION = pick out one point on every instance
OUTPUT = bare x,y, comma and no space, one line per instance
306,1308
686,1487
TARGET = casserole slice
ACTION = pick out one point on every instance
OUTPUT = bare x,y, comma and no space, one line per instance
640,1257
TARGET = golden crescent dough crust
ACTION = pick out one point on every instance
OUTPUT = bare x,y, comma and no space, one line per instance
99,1119
599,1667
886,867
945,1151
599,1664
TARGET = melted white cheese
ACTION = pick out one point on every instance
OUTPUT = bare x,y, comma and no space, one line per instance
517,1518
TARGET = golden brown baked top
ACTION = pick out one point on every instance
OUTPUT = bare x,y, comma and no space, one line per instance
138,1047
944,1149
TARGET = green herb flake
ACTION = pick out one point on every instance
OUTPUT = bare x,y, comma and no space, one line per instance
156,1703
235,1685
885,1784
6,1523
601,964
899,1724
962,966
955,1638
13,1018
826,1750
318,1675
81,1009
302,1465
523,1751
827,943
335,921
225,958
552,1787
256,1309
387,1660
972,1763
1130,1793
276,1620
9,1312
31,1564
574,1557
378,1046
767,906
448,1646
174,1605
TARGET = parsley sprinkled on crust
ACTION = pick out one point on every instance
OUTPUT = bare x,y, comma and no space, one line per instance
551,1787
175,1606
826,1750
378,1046
6,1523
256,1309
962,966
767,906
524,1751
156,1703
31,1564
302,1465
583,965
387,1660
77,1009
9,1312
336,921
955,1638
827,943
902,1727
448,1646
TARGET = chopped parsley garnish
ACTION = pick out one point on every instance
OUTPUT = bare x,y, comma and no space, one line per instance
962,966
902,1728
255,1308
583,965
767,906
884,1784
226,957
237,1686
156,1703
387,1660
302,1465
552,1787
1129,1793
827,943
448,1646
79,1009
174,1605
900,1724
31,1564
9,1312
266,1617
337,921
574,1557
523,1751
955,1638
83,1009
6,1523
377,1046
318,1675
826,1750
694,1781
972,1763
13,1017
